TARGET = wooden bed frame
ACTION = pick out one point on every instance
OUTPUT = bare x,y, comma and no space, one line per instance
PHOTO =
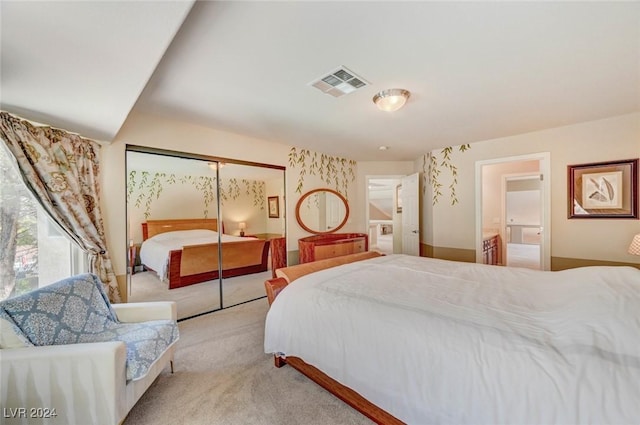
344,393
199,263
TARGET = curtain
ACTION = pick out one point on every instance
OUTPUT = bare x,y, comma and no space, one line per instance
62,170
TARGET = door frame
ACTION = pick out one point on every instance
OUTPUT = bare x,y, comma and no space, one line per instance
545,170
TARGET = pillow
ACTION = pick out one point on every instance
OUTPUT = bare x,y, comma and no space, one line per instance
181,234
62,312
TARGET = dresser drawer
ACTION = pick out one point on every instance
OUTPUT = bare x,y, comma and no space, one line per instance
322,247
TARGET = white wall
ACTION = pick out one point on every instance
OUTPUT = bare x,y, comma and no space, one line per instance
275,187
609,139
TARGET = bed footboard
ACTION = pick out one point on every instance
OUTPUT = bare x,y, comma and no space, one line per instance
199,263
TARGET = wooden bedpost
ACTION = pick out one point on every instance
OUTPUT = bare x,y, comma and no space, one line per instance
279,361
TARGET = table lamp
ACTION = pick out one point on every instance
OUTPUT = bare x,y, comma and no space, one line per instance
634,248
242,225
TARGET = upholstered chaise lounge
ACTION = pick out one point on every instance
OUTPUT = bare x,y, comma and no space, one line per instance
67,354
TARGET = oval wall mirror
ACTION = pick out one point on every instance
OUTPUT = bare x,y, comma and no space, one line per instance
322,211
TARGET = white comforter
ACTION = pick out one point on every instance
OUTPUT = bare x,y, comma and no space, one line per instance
440,342
154,252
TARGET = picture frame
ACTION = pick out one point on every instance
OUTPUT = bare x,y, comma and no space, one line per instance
603,190
274,207
399,199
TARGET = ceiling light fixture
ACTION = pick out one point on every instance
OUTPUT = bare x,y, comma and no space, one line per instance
383,148
391,100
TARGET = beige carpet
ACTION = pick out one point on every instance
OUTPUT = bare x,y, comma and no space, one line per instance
223,376
201,297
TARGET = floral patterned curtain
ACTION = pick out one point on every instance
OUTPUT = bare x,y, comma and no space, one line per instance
62,171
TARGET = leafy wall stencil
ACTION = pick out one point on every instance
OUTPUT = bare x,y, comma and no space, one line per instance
432,169
147,187
332,170
256,189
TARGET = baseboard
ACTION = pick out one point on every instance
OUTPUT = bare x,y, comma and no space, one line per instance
562,263
557,263
444,253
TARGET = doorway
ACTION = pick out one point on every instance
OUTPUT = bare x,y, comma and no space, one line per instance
384,221
513,201
523,220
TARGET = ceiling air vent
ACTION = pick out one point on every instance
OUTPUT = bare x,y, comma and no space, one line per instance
339,82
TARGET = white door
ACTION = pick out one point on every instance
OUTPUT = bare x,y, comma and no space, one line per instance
335,211
409,199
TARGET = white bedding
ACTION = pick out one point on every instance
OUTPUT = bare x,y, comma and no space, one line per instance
433,341
154,252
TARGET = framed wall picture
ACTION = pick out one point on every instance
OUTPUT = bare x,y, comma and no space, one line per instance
603,189
274,207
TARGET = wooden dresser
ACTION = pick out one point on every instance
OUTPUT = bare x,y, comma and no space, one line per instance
330,245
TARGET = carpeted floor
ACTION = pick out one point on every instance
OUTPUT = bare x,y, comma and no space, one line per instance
201,297
223,376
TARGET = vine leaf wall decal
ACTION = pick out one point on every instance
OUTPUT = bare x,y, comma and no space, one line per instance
332,170
432,169
230,190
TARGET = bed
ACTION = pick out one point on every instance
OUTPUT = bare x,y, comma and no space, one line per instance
185,252
416,340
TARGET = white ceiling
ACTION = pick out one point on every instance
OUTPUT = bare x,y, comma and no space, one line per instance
82,65
476,70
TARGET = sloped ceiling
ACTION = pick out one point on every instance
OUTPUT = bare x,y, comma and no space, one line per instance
82,65
476,70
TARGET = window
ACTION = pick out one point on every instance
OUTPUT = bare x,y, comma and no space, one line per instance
35,251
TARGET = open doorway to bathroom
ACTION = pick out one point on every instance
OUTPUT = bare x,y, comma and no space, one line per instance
513,205
523,219
383,217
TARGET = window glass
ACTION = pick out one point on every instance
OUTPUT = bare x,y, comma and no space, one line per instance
34,251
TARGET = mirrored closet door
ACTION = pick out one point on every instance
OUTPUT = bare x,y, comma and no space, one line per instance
200,229
251,207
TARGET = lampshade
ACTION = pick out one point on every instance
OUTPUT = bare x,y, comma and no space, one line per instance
242,225
634,248
391,100
216,165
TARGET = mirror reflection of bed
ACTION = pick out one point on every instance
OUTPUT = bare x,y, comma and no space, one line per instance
164,190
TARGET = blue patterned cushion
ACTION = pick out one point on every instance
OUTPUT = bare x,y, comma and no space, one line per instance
77,310
61,312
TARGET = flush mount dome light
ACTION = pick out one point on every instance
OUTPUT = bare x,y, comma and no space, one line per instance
391,100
